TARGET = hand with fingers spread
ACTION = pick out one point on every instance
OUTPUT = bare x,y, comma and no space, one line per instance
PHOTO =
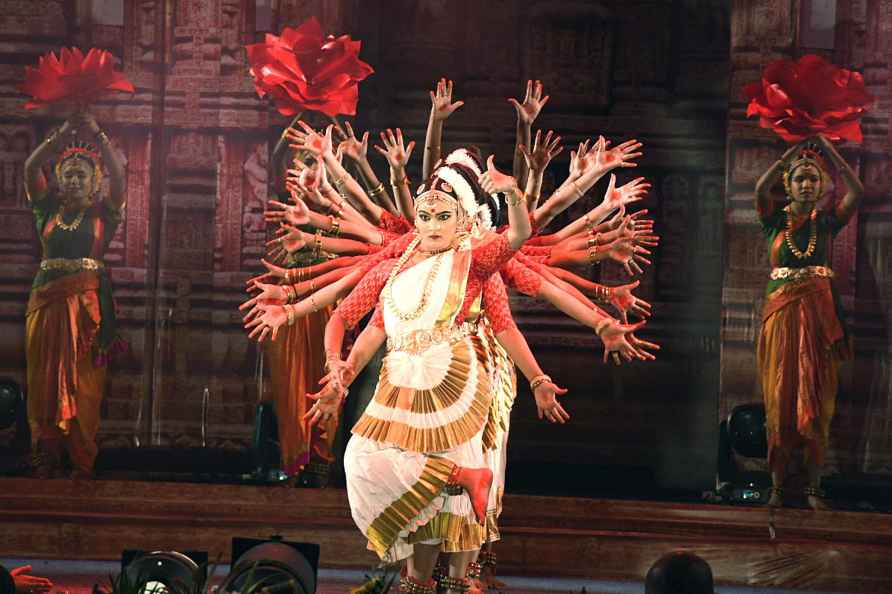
293,214
627,193
625,302
351,146
289,238
617,342
442,105
326,405
395,151
604,159
578,161
265,293
547,405
544,150
29,584
492,180
273,272
631,256
533,102
267,320
309,140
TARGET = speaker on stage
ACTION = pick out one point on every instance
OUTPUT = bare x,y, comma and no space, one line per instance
743,455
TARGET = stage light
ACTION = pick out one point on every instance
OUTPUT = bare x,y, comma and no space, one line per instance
746,430
274,565
163,572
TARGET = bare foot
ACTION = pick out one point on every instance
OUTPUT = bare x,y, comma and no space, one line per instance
818,503
476,482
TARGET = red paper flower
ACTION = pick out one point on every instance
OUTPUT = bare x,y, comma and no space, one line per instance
72,77
302,69
801,99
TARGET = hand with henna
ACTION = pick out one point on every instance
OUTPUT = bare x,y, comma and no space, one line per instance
309,140
619,341
395,150
547,405
492,180
442,105
544,150
292,214
603,159
326,405
625,302
533,102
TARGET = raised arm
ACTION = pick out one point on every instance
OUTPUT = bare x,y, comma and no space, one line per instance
357,150
441,108
527,112
764,201
537,160
110,156
35,181
855,189
519,227
397,155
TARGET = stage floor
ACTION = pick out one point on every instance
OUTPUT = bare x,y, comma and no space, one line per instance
610,542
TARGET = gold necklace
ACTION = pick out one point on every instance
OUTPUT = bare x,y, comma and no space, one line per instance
812,238
73,224
426,291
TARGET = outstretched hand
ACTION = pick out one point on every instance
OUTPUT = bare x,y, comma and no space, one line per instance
309,140
544,150
533,102
622,298
620,342
353,147
293,214
547,405
395,151
493,180
326,405
29,584
441,101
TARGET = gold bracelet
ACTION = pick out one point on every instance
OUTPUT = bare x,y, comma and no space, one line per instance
600,326
289,310
592,252
288,278
338,183
317,244
578,190
335,223
313,303
312,285
538,381
589,224
101,135
289,293
517,195
377,190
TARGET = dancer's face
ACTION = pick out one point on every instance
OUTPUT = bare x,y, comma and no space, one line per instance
805,184
437,224
76,182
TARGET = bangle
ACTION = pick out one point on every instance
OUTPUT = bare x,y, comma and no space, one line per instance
338,183
434,147
335,226
517,195
289,293
312,285
600,326
578,189
289,311
288,278
539,380
101,135
377,190
317,244
589,224
313,303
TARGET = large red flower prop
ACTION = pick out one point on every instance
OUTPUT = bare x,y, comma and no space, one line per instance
801,99
303,70
72,77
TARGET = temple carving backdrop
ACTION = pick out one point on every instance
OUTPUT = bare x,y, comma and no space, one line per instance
196,141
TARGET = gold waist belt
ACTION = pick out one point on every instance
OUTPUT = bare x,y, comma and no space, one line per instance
800,273
71,264
420,340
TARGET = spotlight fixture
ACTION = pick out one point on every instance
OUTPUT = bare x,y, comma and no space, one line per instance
273,565
743,446
164,572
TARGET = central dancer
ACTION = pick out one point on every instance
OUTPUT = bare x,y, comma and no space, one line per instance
417,479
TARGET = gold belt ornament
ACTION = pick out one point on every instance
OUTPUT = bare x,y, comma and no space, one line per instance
785,273
420,340
71,264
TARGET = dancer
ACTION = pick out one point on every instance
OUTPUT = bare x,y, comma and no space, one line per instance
70,323
802,339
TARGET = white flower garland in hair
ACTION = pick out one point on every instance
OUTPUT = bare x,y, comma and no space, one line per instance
463,157
462,189
484,217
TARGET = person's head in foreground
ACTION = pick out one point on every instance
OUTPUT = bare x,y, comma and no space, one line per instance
679,573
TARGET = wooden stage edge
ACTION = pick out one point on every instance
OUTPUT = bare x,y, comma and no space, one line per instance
544,536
